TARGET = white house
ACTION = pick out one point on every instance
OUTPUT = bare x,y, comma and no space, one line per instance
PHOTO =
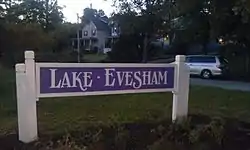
97,35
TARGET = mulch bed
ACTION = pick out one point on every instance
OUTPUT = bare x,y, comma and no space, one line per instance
200,132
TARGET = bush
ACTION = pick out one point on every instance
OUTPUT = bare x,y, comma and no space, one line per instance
92,51
95,49
197,133
127,49
17,38
64,56
239,61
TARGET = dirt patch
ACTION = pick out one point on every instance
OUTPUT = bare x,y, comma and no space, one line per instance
198,132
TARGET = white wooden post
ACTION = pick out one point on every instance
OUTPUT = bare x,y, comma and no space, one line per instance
26,107
30,72
180,96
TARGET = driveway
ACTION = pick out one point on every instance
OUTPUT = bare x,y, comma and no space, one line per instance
230,85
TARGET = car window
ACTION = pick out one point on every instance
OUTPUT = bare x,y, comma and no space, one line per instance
193,60
208,60
205,59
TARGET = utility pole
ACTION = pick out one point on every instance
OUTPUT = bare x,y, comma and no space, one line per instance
78,41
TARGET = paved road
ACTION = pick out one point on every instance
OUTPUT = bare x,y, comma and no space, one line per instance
230,85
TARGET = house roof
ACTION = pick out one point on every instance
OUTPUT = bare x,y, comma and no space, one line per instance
101,24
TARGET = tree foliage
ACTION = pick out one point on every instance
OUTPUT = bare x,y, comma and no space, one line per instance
142,16
148,18
32,24
47,13
191,21
89,13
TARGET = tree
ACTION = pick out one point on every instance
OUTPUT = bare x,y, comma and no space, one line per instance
145,17
228,20
101,13
16,38
47,13
127,53
31,24
7,8
62,35
89,13
53,14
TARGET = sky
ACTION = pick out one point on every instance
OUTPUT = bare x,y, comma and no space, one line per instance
72,7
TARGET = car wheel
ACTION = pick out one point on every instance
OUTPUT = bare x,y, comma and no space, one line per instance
206,74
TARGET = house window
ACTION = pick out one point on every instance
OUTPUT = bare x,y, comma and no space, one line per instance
93,32
85,33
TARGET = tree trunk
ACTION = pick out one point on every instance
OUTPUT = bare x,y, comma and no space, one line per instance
145,51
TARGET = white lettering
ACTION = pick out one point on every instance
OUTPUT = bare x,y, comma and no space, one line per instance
120,76
87,79
108,75
53,79
163,78
154,78
76,79
138,79
65,81
146,77
129,79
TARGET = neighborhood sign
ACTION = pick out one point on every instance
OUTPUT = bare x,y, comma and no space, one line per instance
38,80
60,81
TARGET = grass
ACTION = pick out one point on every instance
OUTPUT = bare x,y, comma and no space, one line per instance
60,115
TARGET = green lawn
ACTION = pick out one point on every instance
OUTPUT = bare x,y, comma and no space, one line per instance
59,115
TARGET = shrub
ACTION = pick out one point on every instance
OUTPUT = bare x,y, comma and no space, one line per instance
18,38
64,56
201,133
127,49
95,49
92,51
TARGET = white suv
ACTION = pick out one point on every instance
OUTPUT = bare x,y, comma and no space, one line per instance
207,66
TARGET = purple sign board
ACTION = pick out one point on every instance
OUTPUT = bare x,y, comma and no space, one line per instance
104,79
